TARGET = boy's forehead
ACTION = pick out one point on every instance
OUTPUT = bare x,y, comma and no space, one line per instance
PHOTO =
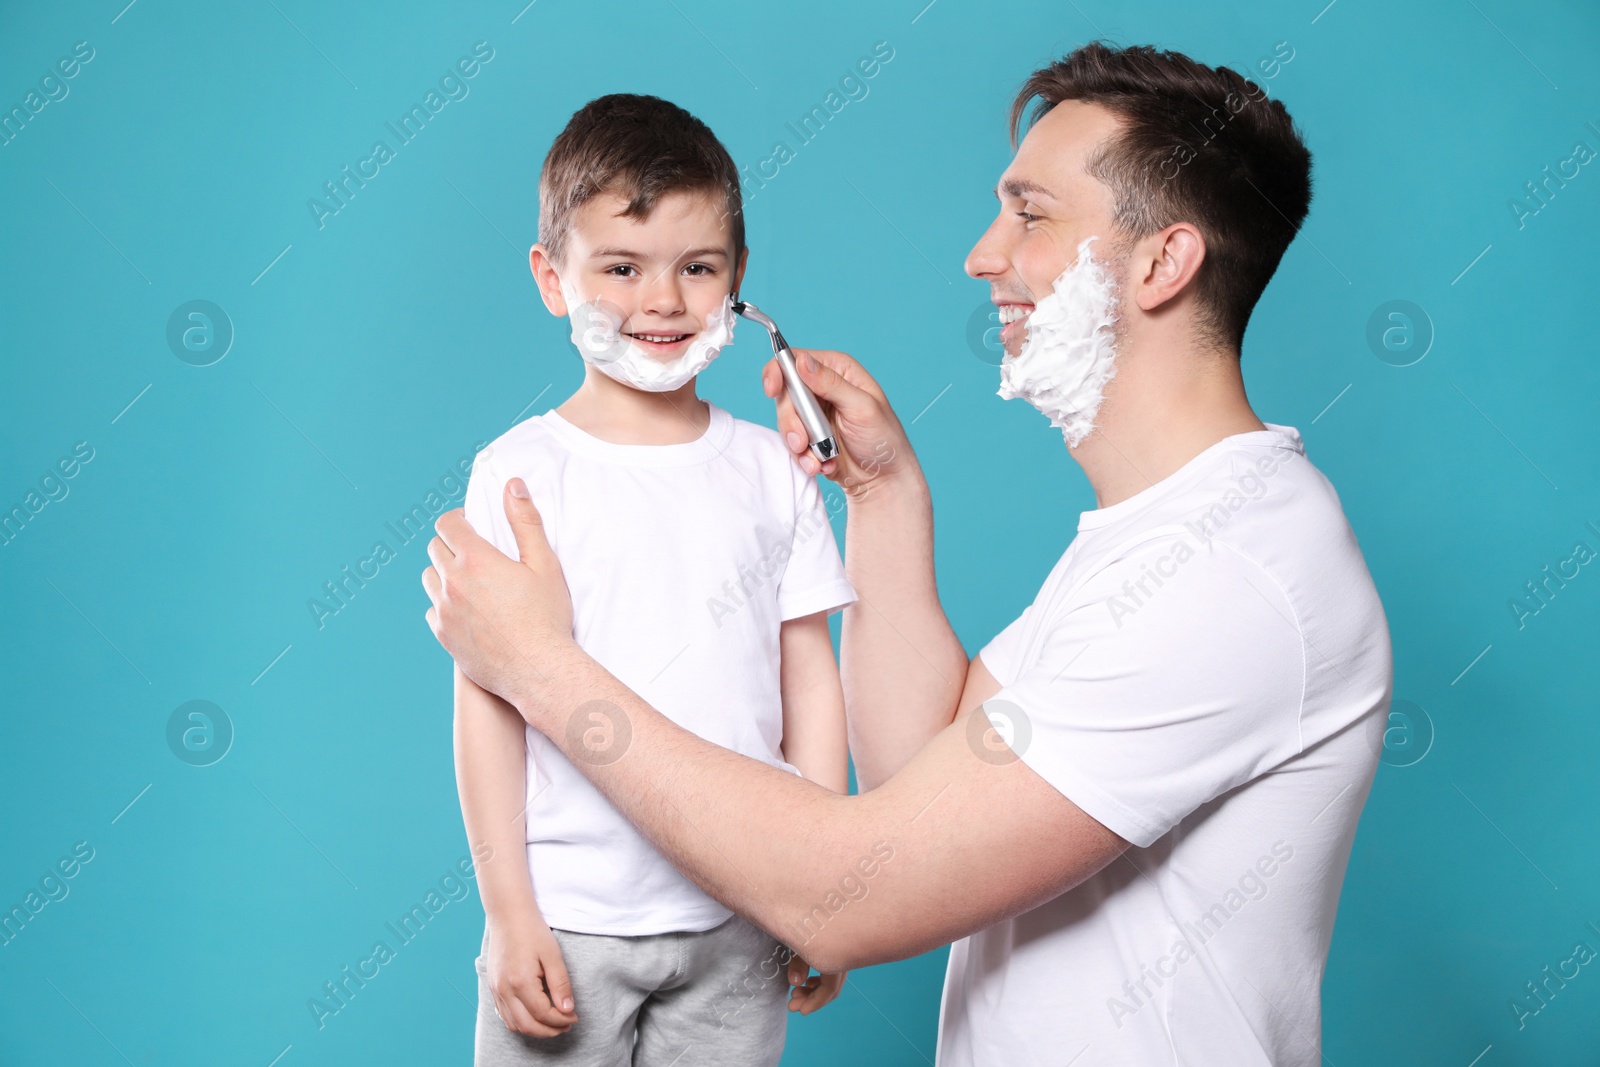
680,219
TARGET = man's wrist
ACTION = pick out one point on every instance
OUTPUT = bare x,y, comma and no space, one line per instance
539,692
896,490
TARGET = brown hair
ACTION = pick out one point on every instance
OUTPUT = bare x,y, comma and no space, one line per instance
641,148
1198,144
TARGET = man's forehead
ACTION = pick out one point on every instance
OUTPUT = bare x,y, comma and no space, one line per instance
1051,159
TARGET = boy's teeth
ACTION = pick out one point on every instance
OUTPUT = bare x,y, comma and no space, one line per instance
661,338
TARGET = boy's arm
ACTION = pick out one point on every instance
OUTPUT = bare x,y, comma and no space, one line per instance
491,778
815,742
814,738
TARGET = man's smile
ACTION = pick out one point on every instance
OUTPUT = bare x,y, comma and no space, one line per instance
1013,320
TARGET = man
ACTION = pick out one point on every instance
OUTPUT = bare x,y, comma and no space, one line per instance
1132,811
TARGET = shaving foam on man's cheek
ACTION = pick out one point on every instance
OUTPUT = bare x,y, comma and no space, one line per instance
1070,352
597,334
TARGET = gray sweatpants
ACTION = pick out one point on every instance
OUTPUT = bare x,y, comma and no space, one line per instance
717,998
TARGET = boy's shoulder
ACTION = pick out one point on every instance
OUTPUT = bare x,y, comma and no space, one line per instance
756,434
529,439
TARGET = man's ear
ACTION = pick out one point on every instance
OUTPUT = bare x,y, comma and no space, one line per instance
1165,263
548,280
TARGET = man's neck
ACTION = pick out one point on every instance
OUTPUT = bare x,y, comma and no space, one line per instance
1156,418
620,414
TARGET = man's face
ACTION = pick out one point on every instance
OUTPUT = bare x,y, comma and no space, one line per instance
1048,205
665,276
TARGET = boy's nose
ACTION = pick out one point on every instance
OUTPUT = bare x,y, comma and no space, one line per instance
663,296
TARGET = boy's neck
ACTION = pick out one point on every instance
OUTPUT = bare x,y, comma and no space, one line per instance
622,415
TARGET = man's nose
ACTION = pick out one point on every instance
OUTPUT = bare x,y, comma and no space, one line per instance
988,257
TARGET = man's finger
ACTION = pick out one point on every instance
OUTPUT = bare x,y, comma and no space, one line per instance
790,428
850,369
453,529
526,523
829,385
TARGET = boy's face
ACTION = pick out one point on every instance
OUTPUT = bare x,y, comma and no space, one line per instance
664,276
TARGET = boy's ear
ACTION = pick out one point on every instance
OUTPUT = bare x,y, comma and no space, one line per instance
549,282
738,273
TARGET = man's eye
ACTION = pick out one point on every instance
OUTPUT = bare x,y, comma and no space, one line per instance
1027,216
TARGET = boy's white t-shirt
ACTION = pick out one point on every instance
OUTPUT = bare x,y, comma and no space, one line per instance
1206,672
683,560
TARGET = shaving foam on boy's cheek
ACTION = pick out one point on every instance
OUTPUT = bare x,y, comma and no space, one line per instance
597,334
1070,351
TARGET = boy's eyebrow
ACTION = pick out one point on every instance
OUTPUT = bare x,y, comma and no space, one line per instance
627,253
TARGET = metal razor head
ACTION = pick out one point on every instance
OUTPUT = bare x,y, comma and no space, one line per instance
754,314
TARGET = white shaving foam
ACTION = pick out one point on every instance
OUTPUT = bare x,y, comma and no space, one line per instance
597,333
1070,352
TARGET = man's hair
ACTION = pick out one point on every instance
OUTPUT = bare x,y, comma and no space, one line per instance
1198,144
640,148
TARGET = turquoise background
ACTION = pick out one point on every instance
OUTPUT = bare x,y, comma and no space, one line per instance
370,355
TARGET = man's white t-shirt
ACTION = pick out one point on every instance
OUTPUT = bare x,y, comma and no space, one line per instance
1206,672
683,561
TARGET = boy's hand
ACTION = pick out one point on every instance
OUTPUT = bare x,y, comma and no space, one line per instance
528,977
811,991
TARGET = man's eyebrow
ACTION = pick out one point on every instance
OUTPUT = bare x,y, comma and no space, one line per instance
1020,187
628,253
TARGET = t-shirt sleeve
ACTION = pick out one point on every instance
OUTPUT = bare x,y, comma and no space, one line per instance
1000,655
813,577
1169,677
484,505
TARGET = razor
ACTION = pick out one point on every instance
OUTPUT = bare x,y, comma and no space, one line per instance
823,445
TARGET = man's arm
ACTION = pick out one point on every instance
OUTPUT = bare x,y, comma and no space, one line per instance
962,836
903,667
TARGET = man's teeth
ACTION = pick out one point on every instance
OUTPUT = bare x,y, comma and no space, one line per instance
1010,313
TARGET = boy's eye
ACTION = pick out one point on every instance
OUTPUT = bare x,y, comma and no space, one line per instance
700,270
620,270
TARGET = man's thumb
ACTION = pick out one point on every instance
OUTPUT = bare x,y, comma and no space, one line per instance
527,525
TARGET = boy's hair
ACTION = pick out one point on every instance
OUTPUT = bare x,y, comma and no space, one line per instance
641,148
1198,144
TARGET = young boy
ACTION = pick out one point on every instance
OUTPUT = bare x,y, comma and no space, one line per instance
702,570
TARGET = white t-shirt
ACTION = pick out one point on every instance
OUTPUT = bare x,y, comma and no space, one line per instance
1206,672
682,560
